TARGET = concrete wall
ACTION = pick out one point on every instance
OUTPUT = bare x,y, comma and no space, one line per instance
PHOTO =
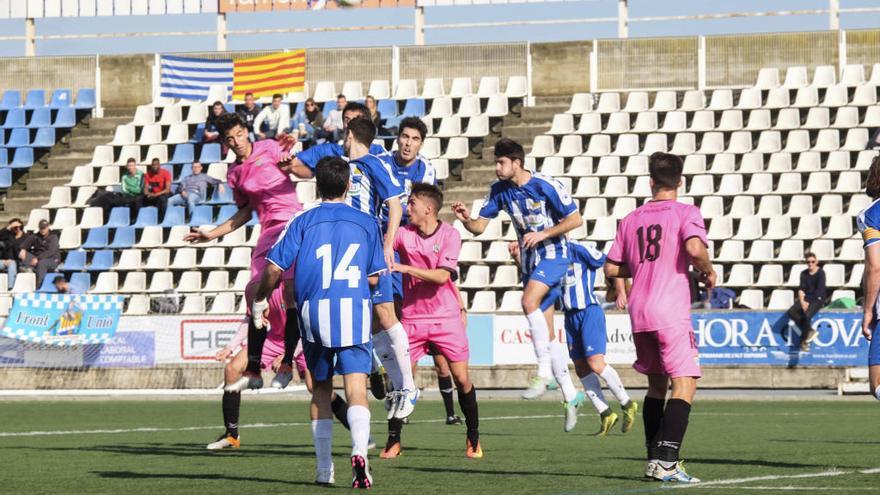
126,80
560,69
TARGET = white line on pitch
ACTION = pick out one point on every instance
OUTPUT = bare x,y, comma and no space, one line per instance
739,481
796,488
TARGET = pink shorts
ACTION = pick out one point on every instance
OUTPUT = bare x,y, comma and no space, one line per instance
447,336
273,348
268,237
670,352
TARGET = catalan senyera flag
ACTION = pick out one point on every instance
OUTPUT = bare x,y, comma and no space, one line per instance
269,74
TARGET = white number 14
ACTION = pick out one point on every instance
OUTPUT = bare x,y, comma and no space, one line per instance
343,271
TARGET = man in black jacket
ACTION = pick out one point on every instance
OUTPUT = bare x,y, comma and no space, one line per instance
40,252
812,296
10,241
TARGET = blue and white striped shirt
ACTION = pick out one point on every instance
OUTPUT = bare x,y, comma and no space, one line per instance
334,249
372,184
420,171
580,280
313,155
538,205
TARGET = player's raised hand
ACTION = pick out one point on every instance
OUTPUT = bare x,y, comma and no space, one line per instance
513,249
260,312
223,354
197,237
532,239
389,258
867,320
287,141
461,211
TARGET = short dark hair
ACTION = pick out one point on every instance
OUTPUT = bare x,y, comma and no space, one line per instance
332,175
356,106
665,169
428,192
277,95
229,121
15,220
810,254
872,182
340,95
59,279
511,149
218,102
155,160
413,123
363,130
131,159
248,94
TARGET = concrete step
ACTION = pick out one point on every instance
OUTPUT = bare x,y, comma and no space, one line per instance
483,174
69,160
552,100
465,195
119,112
541,114
19,205
525,133
87,144
109,123
43,185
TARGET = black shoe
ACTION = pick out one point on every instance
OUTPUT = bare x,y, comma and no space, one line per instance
453,420
377,385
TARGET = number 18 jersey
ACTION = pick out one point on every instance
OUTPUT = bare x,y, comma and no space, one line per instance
335,248
651,243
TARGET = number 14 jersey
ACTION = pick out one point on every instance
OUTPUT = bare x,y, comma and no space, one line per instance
651,242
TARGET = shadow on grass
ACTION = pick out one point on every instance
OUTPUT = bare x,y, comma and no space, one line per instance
130,475
736,462
186,450
485,471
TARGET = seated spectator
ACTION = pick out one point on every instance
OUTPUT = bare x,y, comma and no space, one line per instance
811,295
132,187
62,286
249,113
211,134
273,121
307,121
333,124
10,245
39,251
157,187
193,189
375,115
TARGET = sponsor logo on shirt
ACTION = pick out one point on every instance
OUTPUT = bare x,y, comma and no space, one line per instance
354,189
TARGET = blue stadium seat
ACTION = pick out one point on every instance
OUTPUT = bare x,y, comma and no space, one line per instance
97,238
174,215
36,98
14,118
230,107
254,220
147,216
329,106
20,137
210,153
75,261
203,215
48,284
85,99
80,283
199,134
61,98
101,261
23,158
120,216
11,99
218,198
388,108
45,138
183,153
123,238
5,177
185,170
4,157
41,117
170,169
226,213
300,106
415,107
66,117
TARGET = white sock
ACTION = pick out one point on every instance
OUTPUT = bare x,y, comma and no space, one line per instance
559,361
594,391
541,341
612,379
359,422
322,433
400,348
382,346
877,392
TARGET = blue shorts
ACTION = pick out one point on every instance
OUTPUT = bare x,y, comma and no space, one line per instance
585,331
549,273
874,347
353,359
383,292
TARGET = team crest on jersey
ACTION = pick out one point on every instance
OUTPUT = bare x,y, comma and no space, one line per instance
533,205
258,162
533,220
436,248
356,171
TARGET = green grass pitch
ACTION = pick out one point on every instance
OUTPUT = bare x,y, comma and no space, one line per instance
740,447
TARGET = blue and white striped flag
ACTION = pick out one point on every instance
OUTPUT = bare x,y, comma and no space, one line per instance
191,78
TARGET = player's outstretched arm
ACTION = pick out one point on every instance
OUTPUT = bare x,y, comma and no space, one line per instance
613,270
513,249
437,276
567,224
699,256
296,167
872,285
475,226
395,213
241,217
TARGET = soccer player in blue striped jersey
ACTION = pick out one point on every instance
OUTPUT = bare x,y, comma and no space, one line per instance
336,252
543,213
868,222
587,337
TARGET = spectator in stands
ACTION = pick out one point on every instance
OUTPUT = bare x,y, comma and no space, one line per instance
39,251
129,195
62,286
812,295
10,245
307,121
193,189
249,113
157,187
375,116
333,124
211,134
273,121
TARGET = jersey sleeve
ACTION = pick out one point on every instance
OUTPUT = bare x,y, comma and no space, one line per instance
869,224
383,179
450,247
588,255
313,155
559,199
283,253
693,225
376,262
491,204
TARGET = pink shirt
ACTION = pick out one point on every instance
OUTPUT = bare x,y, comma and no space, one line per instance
258,182
424,300
651,242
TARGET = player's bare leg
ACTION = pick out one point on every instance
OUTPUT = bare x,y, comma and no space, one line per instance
231,404
392,346
444,381
467,400
539,327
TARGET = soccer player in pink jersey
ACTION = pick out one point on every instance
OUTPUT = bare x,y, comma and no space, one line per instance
655,245
259,185
431,312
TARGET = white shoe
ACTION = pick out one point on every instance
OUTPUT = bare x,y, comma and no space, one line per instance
651,468
246,382
571,411
406,403
536,388
282,379
675,474
391,403
224,442
325,476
